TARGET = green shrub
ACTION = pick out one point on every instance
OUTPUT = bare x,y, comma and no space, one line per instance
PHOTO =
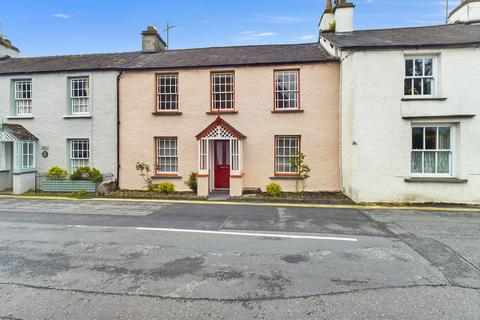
192,182
80,194
274,189
87,174
164,188
57,173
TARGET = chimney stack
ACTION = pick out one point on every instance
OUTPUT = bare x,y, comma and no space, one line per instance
7,49
338,18
468,11
151,41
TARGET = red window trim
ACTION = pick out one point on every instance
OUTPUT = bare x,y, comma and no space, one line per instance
234,91
156,106
275,154
274,93
155,152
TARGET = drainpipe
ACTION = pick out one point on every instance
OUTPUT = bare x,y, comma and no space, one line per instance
118,127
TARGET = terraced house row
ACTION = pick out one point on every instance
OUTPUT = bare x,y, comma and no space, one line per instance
382,115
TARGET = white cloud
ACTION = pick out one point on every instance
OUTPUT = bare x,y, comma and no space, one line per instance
256,34
307,37
61,16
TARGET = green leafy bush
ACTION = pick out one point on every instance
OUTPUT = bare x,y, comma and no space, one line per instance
274,189
192,182
87,174
57,173
164,188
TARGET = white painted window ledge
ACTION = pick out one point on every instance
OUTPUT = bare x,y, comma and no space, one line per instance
77,116
20,117
435,180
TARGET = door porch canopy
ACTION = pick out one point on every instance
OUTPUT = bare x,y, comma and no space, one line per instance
24,146
220,130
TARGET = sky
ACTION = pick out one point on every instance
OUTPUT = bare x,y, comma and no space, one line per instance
58,27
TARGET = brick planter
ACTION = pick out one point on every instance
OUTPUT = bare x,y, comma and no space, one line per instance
68,186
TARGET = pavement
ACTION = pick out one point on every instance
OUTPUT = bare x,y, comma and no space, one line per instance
64,259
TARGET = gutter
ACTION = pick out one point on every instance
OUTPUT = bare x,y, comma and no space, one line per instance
118,126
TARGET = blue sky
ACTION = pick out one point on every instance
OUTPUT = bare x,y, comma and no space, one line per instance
55,27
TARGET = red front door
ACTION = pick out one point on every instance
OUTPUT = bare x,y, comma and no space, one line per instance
222,165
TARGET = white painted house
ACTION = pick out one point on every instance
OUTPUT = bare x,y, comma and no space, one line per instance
67,104
410,108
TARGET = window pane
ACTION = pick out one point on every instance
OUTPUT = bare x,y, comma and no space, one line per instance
443,162
409,68
419,67
408,87
427,86
428,67
417,162
429,159
417,138
444,138
417,87
431,138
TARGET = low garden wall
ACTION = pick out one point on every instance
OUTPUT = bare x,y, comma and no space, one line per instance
49,185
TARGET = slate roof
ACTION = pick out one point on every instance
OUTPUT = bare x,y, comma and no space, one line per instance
452,35
19,131
170,59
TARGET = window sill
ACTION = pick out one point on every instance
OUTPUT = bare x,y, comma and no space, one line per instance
423,99
77,116
19,117
284,178
288,111
166,177
222,112
435,180
166,113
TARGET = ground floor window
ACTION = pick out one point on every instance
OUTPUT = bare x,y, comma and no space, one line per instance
79,153
286,149
432,153
167,156
3,156
25,155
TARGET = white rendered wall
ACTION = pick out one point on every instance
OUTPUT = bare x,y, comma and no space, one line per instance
23,182
49,105
376,140
344,19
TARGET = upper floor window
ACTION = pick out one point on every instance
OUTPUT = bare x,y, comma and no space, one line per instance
419,76
167,91
223,91
432,152
286,90
287,148
23,97
167,157
80,95
79,153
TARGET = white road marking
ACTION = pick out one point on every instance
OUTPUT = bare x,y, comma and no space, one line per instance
226,233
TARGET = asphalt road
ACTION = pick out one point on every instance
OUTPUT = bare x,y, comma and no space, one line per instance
115,260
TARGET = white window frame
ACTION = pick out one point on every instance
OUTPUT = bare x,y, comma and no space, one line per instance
80,103
433,77
283,155
219,97
77,158
451,172
167,94
23,104
3,156
25,161
295,90
171,155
